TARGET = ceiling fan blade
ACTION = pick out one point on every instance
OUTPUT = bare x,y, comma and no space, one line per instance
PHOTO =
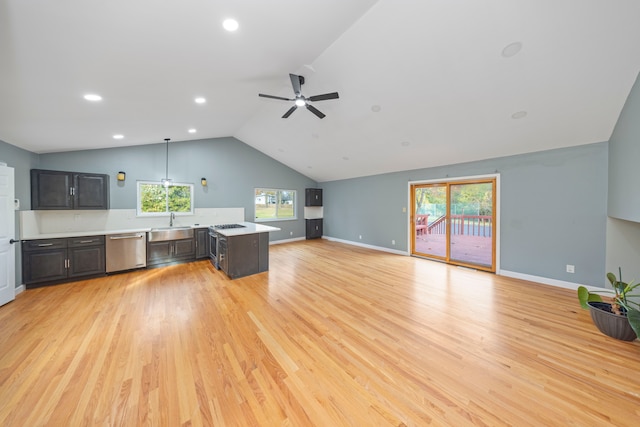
275,97
325,96
291,110
295,82
315,111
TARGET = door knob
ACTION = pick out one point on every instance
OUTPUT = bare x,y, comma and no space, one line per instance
14,241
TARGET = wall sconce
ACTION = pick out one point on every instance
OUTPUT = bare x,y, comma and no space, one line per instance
121,176
203,181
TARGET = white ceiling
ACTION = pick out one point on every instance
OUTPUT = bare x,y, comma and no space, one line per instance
434,68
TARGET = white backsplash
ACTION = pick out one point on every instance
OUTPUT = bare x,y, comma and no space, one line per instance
34,224
313,212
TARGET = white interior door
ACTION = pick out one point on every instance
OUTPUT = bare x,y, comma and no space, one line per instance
7,229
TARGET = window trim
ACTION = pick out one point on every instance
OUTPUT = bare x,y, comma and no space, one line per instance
139,212
278,191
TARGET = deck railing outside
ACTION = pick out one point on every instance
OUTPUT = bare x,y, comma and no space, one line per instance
469,225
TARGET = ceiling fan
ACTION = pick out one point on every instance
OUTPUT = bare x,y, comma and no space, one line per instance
300,99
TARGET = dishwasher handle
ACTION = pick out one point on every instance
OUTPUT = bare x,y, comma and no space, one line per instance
136,236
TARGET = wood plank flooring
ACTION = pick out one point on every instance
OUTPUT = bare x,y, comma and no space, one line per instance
332,335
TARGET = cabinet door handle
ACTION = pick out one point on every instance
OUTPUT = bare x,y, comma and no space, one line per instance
86,241
42,245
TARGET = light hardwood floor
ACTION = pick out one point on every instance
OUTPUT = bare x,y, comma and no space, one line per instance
332,335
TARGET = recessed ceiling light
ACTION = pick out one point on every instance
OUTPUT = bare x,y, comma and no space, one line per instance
345,158
118,136
192,130
519,115
92,97
511,49
200,100
230,24
376,108
405,143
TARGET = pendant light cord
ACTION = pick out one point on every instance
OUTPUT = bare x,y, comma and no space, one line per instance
166,171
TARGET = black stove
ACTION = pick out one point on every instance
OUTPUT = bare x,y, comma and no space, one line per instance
225,226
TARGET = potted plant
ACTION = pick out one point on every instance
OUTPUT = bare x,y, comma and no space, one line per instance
616,315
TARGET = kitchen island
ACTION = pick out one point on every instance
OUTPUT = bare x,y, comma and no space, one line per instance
240,249
58,247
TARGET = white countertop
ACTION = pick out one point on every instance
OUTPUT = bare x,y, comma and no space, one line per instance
249,228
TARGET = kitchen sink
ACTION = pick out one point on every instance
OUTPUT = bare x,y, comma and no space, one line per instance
170,233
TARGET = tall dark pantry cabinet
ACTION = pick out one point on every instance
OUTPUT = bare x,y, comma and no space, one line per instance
313,212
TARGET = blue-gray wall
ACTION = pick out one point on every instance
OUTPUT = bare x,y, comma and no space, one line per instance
553,210
624,160
22,162
623,232
232,168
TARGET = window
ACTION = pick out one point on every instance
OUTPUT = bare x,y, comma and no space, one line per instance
274,205
154,198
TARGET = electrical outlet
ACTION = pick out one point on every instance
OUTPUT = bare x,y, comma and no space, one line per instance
291,233
360,237
393,242
571,268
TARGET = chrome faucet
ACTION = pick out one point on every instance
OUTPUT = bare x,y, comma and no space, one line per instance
171,218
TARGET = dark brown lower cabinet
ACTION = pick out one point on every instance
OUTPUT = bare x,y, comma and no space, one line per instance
314,228
170,251
51,261
244,255
202,243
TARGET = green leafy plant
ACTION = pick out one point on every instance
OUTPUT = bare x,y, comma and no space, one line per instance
622,299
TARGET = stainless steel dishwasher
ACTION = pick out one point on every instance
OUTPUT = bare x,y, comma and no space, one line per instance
126,251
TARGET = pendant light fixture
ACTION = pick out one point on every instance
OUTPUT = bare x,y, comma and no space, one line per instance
166,181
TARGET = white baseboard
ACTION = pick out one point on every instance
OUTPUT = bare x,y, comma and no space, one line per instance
295,239
363,245
20,289
546,280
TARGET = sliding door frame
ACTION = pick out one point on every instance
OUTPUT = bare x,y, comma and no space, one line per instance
456,180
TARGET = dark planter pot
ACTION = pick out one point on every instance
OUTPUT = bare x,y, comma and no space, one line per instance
611,324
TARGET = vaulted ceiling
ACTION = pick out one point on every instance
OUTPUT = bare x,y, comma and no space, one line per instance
422,82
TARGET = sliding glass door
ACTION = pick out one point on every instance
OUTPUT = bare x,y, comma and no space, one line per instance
454,221
430,225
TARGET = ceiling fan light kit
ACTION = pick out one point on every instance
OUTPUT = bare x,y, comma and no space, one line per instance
300,100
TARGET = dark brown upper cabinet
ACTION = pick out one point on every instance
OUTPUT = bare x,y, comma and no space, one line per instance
313,197
58,190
